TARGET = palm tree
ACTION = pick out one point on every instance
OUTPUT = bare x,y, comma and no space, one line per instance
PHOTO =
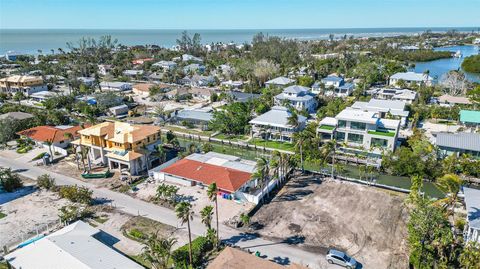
262,172
212,193
245,219
49,143
185,214
157,251
292,119
328,149
206,213
300,138
449,184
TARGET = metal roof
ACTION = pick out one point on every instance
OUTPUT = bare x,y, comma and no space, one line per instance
276,117
472,203
295,89
411,76
464,141
470,116
194,115
280,81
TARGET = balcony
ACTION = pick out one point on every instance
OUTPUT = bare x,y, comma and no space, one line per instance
381,133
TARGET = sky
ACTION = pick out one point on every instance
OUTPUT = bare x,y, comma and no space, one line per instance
237,14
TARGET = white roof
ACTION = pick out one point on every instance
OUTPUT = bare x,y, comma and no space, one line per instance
280,81
350,114
395,107
329,121
276,117
42,94
72,247
224,160
411,76
295,89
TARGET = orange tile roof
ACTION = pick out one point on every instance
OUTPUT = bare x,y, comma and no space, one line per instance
227,179
46,133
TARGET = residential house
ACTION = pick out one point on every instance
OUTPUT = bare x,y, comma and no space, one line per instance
18,116
121,145
472,204
195,117
141,61
58,136
385,109
405,95
121,110
87,81
274,125
198,81
470,118
166,65
75,246
230,84
194,68
231,174
104,69
133,73
191,58
333,86
449,100
361,130
201,93
410,78
234,258
156,76
458,143
279,82
298,97
12,55
42,96
179,93
24,84
142,89
243,97
115,86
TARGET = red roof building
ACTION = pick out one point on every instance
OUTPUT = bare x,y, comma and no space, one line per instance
53,134
227,179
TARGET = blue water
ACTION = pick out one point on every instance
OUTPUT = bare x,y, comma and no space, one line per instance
30,40
438,68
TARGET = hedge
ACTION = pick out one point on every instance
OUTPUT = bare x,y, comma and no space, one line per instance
200,246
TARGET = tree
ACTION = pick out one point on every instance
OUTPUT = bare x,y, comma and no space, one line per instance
263,70
292,119
49,143
232,119
469,258
449,184
212,193
160,112
185,214
77,194
207,147
158,250
206,214
245,219
471,64
328,149
454,83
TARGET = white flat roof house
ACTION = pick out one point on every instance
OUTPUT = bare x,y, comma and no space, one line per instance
273,125
73,247
42,96
472,204
410,78
299,97
115,86
384,107
166,65
279,82
406,95
188,58
362,130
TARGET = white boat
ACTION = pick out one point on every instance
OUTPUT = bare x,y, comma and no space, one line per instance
458,54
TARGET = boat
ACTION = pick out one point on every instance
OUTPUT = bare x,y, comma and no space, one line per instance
458,54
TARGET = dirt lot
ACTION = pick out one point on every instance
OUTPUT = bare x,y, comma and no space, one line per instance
366,222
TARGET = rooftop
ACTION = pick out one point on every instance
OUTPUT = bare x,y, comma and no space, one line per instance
121,132
16,115
280,81
22,79
470,116
50,133
454,99
194,115
472,204
411,76
73,247
349,114
296,89
276,117
464,141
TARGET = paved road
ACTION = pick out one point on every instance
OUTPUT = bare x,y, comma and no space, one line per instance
284,252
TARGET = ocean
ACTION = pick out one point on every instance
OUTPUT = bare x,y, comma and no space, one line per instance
30,41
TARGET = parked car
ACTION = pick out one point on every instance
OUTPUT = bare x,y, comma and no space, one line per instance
341,258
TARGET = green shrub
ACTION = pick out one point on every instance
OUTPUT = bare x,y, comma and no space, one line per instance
200,246
460,224
39,156
136,234
76,194
45,181
9,180
472,64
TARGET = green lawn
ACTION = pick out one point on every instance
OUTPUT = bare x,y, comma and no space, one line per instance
389,134
273,144
231,137
187,131
326,127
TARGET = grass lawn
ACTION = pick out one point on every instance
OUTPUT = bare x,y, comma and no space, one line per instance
389,134
273,144
326,127
138,228
231,137
187,131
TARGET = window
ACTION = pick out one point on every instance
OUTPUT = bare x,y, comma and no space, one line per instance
342,124
358,125
378,142
340,136
355,138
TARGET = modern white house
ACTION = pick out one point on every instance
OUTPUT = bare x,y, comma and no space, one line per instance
87,81
361,130
385,109
104,69
298,97
410,78
191,58
42,96
118,110
333,86
194,68
75,246
273,125
405,95
472,204
279,82
132,73
115,86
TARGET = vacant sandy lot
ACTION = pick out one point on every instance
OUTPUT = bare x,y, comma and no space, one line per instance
366,222
27,215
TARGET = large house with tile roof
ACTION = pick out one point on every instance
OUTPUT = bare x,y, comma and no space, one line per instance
121,145
58,136
24,84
